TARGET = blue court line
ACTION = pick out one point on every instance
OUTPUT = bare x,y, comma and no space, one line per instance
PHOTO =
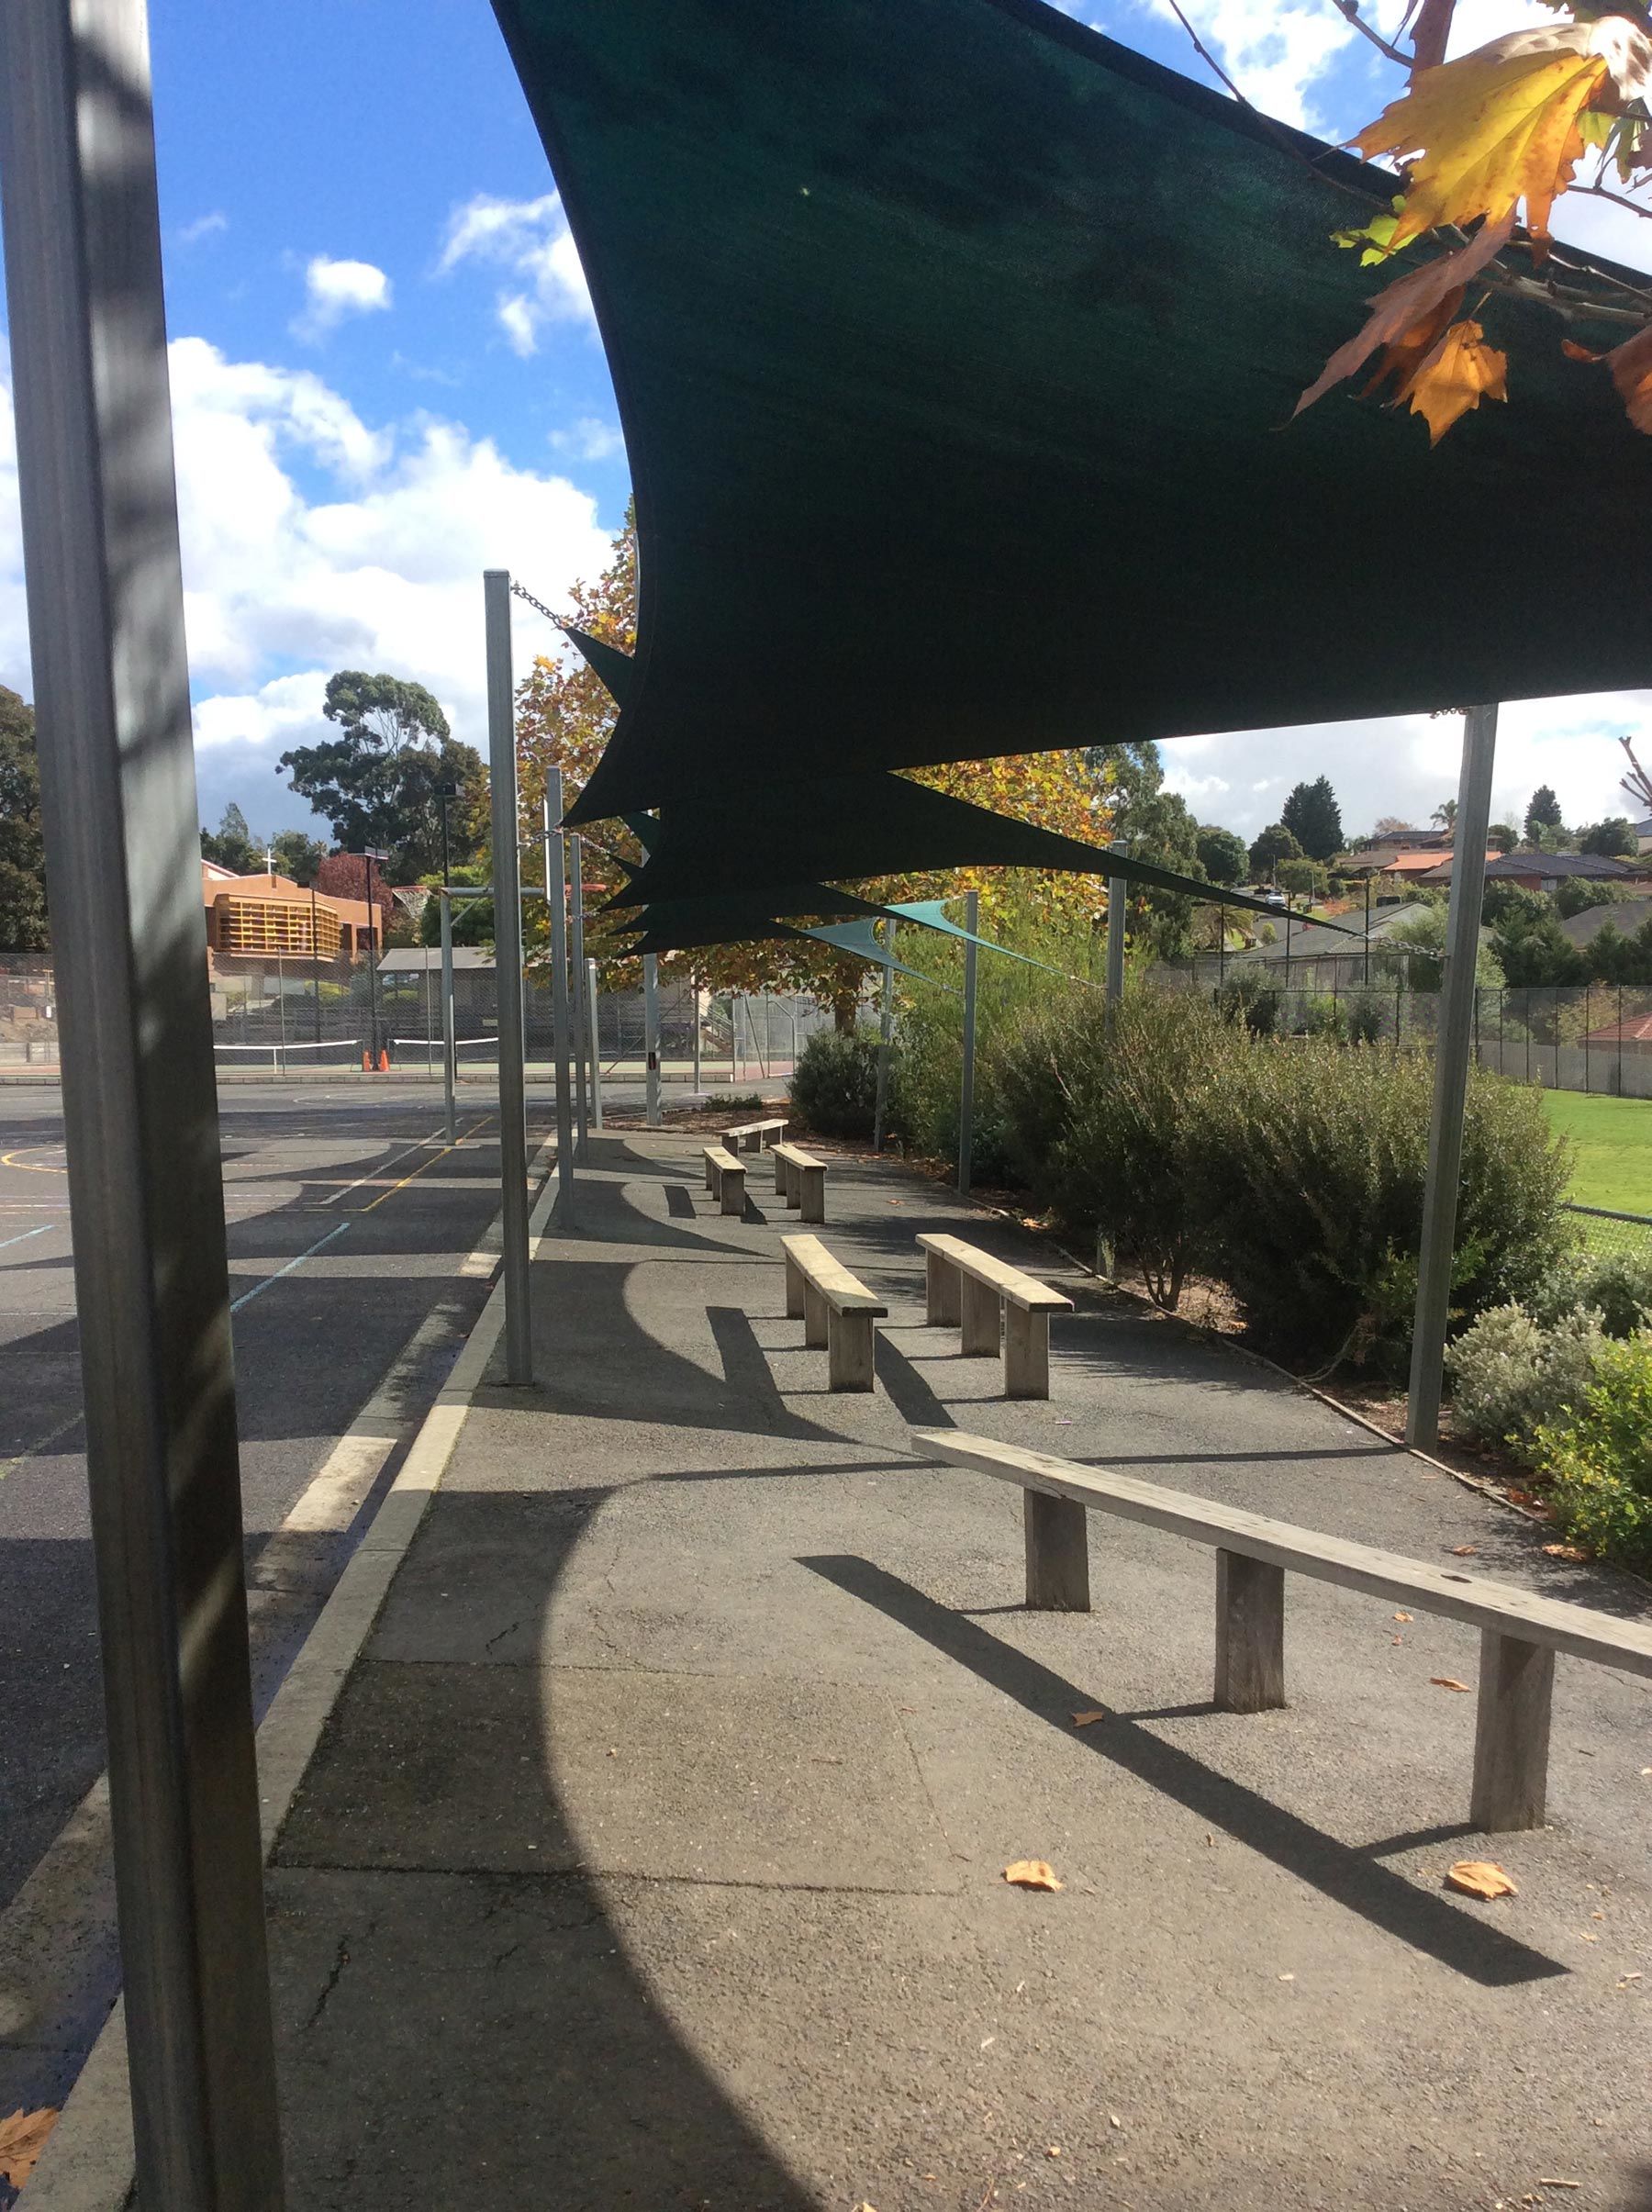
247,1296
26,1234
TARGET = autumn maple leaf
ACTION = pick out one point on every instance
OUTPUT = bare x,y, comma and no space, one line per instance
1410,315
1460,372
1631,366
1501,125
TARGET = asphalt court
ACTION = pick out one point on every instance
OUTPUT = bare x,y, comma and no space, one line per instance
349,1218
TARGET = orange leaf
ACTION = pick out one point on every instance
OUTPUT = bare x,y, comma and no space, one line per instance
1461,371
1631,366
1084,1720
22,2140
1399,310
1402,1616
1481,1878
1463,1551
1446,1682
1567,1551
1032,1874
1494,128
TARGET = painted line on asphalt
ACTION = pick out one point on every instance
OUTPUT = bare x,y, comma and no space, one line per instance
8,1467
258,1288
417,1145
421,1166
23,1237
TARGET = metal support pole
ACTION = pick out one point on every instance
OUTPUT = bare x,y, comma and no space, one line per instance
576,956
507,960
650,1037
106,608
450,1047
972,914
595,1045
1113,989
556,907
1451,1075
886,1028
694,987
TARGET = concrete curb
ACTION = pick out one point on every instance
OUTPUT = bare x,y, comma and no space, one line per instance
87,2164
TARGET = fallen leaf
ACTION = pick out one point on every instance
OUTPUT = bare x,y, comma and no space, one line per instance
1032,1874
1567,1551
1085,1720
1628,1978
1479,1878
1448,1682
1463,1551
1114,2121
1402,1616
1497,125
1288,1977
1554,2181
1054,2151
1402,311
1587,1935
22,2140
1518,1497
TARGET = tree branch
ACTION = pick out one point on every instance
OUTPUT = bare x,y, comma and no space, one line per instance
1349,10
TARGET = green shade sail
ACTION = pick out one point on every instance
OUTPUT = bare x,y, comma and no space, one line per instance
956,349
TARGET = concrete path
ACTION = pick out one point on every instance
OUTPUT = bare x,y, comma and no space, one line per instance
653,1856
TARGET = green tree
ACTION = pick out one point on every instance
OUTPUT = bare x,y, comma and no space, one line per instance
1533,951
1577,894
1222,855
23,921
1276,843
1158,827
232,843
1503,836
1304,879
377,783
1445,815
1613,839
1314,818
1543,812
297,855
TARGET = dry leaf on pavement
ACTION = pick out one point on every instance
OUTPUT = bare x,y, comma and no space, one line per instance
1082,1720
1463,1551
1479,1878
1032,1874
22,2140
1566,1551
1446,1682
1402,1616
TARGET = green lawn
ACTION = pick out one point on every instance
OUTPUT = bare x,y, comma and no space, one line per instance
1613,1140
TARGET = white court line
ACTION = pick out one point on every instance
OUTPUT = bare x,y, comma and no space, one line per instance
247,1297
383,1167
26,1233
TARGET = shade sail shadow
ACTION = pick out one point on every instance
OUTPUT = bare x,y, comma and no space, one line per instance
407,1919
1346,1874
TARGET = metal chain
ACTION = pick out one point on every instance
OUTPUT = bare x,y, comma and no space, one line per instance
538,605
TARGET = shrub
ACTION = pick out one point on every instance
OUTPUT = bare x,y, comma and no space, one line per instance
1619,1286
1598,1456
1511,1374
1308,1162
1252,998
1366,1016
834,1087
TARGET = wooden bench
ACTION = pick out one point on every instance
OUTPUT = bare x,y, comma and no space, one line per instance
968,1289
1520,1633
754,1136
725,1178
800,1179
836,1310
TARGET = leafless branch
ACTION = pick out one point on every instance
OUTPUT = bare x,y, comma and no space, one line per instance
1349,10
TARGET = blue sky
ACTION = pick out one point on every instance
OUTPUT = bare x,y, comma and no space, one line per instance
385,378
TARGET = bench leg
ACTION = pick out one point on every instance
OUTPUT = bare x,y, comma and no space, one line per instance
754,1142
811,1193
1511,1733
732,1188
1026,1352
1057,1531
849,1351
815,1311
1250,1634
794,1288
731,1143
779,1175
710,1176
940,1281
790,1173
980,1315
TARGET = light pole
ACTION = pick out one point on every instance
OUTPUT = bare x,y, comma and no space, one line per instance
370,853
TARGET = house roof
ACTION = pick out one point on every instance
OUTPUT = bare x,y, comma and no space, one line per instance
426,959
1521,866
1425,867
1637,1030
1627,915
1310,940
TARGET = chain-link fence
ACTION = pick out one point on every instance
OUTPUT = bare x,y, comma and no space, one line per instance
1611,1236
285,1017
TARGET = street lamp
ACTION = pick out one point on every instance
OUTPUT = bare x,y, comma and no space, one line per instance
370,853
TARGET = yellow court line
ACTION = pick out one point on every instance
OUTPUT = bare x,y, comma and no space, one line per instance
10,1159
421,1166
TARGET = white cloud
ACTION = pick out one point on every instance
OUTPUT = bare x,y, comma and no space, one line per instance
589,439
530,239
334,289
1273,51
313,541
204,226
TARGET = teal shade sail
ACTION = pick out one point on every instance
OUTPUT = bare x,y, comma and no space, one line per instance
956,349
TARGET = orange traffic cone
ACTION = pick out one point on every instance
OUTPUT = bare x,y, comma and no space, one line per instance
383,1061
366,1061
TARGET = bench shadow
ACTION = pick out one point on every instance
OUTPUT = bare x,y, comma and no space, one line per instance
907,1390
1348,1875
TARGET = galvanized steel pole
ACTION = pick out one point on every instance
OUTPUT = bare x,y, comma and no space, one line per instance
449,1053
972,914
650,1039
1113,989
576,954
884,1032
508,966
106,608
556,907
591,997
1452,1044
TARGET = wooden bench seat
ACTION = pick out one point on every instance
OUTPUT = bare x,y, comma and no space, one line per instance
800,1179
1520,1632
965,1288
836,1309
754,1136
725,1178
